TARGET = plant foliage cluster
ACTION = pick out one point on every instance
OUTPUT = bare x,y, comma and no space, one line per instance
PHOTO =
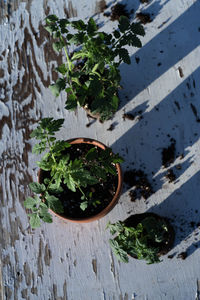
64,172
90,75
142,241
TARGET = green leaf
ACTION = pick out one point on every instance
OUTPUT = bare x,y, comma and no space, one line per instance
116,34
54,189
62,69
51,28
31,202
123,23
57,87
39,148
54,203
120,253
35,220
47,218
51,19
138,29
37,187
61,146
91,27
84,205
135,41
123,54
71,103
69,181
91,154
79,25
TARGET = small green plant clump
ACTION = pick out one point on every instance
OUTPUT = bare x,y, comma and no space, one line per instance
142,241
64,172
90,75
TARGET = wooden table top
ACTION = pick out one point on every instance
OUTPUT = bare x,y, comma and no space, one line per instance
161,89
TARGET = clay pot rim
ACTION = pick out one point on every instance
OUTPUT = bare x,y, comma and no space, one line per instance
113,202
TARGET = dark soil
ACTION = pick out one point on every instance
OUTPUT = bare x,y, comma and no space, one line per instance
139,180
168,154
144,18
163,247
182,255
170,175
131,116
117,11
144,1
104,191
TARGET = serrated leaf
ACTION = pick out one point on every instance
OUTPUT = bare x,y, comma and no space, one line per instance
37,187
35,220
47,218
71,103
51,19
30,202
57,46
91,154
84,205
62,69
39,148
51,28
57,87
138,29
135,41
69,181
124,55
123,23
79,25
116,34
91,27
54,203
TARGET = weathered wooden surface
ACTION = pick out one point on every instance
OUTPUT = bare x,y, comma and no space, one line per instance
74,262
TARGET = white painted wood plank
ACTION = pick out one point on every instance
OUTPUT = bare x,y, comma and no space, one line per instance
69,261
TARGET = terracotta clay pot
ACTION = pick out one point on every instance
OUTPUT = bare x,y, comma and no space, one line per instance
113,202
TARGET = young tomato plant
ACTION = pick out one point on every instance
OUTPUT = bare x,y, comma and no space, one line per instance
62,172
142,241
90,75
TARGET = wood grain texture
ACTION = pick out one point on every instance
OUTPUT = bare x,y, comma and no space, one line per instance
65,261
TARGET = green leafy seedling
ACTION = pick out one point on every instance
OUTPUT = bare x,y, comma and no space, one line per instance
90,74
64,173
142,241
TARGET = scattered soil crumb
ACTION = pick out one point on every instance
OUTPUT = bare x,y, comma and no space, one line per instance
138,179
90,123
137,59
192,223
194,110
170,176
182,255
168,154
188,86
177,105
131,116
133,195
112,126
117,11
194,84
128,116
178,167
171,255
159,64
144,18
144,1
161,25
180,72
101,6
